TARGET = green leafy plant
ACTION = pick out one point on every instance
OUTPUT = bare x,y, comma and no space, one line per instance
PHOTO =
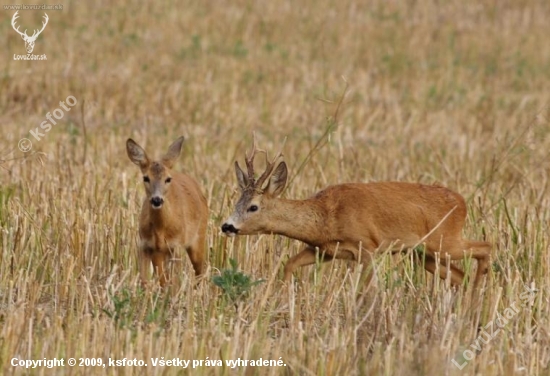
234,283
128,308
121,308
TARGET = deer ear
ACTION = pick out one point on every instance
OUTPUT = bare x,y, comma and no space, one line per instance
173,153
277,180
136,154
241,177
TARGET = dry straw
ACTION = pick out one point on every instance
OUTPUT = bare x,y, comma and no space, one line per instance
439,92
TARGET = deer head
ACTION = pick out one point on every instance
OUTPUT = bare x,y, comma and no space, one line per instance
156,174
251,213
29,40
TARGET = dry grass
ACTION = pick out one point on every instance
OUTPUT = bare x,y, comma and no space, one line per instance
454,93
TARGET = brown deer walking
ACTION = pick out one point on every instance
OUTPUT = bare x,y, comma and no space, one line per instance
353,221
174,213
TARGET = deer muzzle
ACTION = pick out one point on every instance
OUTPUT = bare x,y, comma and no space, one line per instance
229,229
156,202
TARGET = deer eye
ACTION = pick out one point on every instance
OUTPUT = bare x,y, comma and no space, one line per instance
168,180
253,208
146,179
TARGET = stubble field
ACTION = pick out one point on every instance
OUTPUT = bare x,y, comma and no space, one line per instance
453,93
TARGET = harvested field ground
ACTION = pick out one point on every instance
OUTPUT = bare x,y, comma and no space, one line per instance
452,92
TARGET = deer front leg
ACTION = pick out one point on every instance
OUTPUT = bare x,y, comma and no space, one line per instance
362,253
144,264
306,256
196,253
159,260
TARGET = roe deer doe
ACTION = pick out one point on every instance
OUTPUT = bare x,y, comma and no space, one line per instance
353,221
174,213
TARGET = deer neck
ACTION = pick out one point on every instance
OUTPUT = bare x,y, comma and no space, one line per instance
162,218
297,219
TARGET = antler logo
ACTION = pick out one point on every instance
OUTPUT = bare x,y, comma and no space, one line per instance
29,40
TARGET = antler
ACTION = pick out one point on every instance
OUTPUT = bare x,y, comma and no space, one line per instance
269,165
15,17
24,34
249,159
44,23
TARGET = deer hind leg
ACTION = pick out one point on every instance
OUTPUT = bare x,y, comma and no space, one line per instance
457,275
481,251
160,260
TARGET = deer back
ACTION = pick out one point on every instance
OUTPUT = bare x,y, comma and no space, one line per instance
385,212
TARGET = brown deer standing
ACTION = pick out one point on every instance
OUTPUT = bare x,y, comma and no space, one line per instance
353,221
174,213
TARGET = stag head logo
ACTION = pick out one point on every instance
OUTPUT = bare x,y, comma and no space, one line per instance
29,40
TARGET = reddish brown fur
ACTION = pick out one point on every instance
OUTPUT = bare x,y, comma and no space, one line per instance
181,221
353,221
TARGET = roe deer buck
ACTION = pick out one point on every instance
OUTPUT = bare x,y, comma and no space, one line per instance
353,221
174,213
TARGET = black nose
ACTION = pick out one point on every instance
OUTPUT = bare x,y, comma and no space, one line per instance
229,228
157,201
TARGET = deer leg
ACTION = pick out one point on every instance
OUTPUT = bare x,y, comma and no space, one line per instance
366,260
196,255
144,263
457,275
350,251
197,250
159,262
306,256
481,251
